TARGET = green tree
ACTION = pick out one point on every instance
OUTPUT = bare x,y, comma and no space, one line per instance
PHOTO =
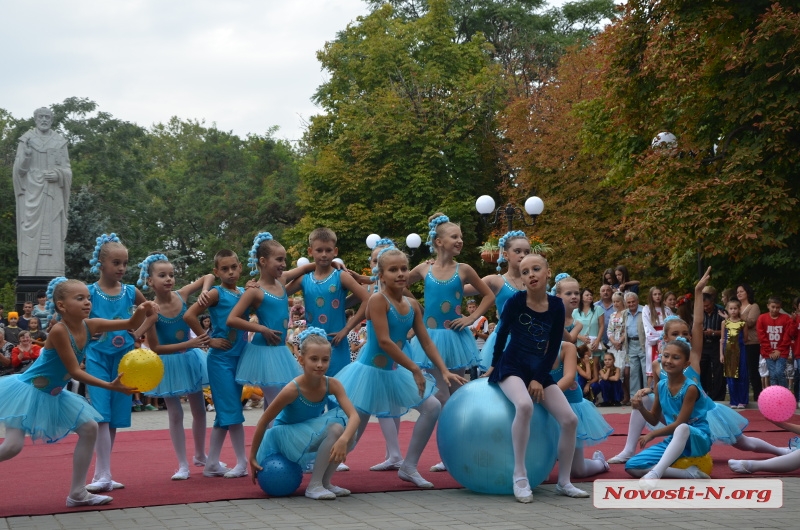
723,78
407,130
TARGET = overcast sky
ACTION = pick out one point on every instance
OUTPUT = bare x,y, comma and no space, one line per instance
244,65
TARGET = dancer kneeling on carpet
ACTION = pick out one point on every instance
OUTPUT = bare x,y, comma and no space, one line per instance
533,323
301,432
34,402
384,381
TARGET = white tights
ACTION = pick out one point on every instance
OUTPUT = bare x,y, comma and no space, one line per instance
558,407
323,467
583,467
237,441
423,428
671,454
390,427
177,433
81,458
102,448
745,443
779,464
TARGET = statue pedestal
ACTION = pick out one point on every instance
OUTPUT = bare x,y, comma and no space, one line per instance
27,287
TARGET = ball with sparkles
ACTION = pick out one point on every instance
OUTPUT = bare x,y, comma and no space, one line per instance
141,369
776,403
704,463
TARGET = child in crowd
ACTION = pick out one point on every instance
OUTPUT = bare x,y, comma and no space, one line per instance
775,336
733,357
40,310
587,372
35,403
592,427
624,281
384,381
326,289
23,354
301,432
671,302
610,383
11,331
111,299
609,278
653,315
27,314
534,321
35,328
184,360
617,339
226,347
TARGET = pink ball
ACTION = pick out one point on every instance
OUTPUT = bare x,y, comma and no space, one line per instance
776,403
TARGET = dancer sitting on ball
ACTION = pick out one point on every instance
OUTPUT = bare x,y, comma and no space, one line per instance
534,321
301,432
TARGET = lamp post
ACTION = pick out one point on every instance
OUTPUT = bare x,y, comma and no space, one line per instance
413,241
534,206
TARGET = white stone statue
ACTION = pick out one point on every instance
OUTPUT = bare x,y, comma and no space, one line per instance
42,179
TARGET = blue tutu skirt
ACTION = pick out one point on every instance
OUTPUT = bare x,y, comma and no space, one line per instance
592,427
299,442
202,356
726,424
487,352
382,393
698,444
42,415
457,348
266,366
183,374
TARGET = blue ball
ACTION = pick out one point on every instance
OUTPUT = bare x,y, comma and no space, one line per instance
280,476
474,439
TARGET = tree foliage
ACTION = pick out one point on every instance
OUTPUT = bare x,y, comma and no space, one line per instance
723,77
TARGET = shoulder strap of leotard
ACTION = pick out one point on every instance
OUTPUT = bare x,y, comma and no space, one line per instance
327,385
180,297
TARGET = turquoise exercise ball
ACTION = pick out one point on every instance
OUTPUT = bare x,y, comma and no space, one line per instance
474,439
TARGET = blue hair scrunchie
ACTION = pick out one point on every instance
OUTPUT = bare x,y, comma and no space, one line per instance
374,276
303,335
100,241
51,287
144,267
252,261
432,225
502,244
560,276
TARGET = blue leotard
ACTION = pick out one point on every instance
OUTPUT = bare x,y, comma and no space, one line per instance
104,354
699,442
592,427
325,308
528,342
377,385
263,364
299,429
443,304
222,364
34,401
184,371
505,292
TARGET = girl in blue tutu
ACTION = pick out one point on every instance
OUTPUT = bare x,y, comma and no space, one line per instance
726,425
185,370
444,289
592,427
384,381
35,402
302,432
266,361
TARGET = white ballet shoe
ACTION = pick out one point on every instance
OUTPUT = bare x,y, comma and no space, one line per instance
99,486
522,492
336,490
598,455
218,471
319,493
695,473
739,466
438,468
89,500
181,474
415,478
649,480
202,463
342,467
568,490
387,465
236,472
619,459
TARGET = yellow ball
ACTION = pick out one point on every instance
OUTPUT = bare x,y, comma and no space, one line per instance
142,369
704,463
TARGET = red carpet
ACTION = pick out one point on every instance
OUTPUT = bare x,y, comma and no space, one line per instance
37,481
